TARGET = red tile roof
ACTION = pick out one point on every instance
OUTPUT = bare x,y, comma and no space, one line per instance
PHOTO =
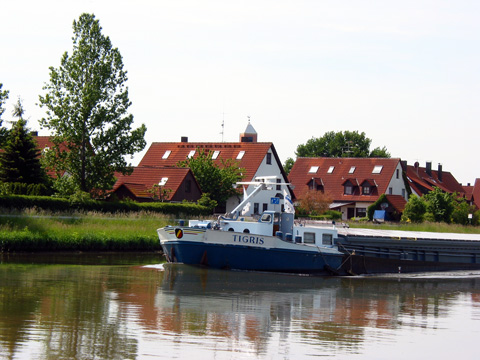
422,182
397,201
143,178
335,172
253,155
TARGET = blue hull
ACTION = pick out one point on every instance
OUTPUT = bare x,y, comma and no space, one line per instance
255,259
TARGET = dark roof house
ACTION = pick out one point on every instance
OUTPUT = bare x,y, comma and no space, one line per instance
174,184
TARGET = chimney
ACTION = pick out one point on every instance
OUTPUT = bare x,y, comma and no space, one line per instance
440,172
416,166
404,165
184,139
429,168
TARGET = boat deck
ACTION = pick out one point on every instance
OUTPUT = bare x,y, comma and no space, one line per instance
413,235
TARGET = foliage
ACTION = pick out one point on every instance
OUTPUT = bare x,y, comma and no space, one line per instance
461,212
87,111
414,209
314,202
288,165
20,202
19,162
340,144
213,179
3,98
159,193
15,188
371,209
440,204
207,202
64,186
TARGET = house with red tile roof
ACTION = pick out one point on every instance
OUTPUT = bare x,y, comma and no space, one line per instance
172,184
422,180
472,193
256,158
353,184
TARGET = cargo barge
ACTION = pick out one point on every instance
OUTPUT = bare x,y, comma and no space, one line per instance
372,251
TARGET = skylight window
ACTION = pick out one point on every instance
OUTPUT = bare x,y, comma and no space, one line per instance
377,169
190,154
352,170
163,181
167,154
240,155
330,169
215,154
313,170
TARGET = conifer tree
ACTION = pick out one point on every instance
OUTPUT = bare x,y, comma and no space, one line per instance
3,98
19,161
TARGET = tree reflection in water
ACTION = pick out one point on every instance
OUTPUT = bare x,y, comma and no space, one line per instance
132,311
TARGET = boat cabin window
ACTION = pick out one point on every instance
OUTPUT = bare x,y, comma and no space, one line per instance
267,218
327,239
309,238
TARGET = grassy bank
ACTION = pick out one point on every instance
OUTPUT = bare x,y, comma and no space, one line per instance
33,231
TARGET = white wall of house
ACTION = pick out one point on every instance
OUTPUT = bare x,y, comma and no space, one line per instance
263,199
396,185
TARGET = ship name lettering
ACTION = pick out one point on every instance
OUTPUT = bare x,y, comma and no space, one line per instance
248,239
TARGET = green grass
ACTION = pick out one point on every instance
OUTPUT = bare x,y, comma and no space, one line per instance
33,231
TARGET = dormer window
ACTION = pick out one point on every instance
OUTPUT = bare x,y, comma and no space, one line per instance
167,154
215,154
377,169
313,170
330,169
366,190
190,154
348,189
352,170
240,155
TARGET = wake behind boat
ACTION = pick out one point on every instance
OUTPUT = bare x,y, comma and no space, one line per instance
273,243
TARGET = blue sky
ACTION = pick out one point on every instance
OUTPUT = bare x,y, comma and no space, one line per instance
405,73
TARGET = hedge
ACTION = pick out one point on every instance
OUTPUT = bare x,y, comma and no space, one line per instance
20,202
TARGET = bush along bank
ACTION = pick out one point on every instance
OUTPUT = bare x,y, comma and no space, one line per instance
20,202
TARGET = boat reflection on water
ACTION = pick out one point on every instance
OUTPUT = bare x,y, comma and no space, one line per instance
333,311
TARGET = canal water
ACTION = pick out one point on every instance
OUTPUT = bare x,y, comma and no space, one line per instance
120,307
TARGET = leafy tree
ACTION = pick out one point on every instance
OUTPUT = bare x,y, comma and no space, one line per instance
3,98
213,179
440,204
288,165
314,202
20,160
87,111
461,210
340,144
414,209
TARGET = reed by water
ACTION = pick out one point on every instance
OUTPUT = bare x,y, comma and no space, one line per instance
33,231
